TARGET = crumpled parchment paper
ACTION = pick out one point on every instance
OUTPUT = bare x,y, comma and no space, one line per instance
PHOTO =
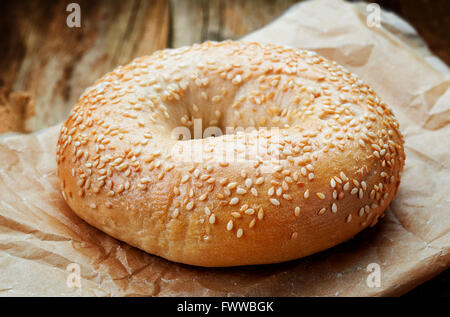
40,236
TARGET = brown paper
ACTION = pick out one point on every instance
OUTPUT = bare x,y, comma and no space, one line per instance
40,236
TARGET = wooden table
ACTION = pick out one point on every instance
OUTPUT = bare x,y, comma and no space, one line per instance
45,65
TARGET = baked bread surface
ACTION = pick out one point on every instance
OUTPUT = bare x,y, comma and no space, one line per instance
316,160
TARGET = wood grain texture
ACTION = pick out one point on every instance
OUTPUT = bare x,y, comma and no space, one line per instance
187,19
14,108
55,63
52,63
195,21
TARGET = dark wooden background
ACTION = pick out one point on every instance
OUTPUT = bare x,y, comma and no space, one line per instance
45,65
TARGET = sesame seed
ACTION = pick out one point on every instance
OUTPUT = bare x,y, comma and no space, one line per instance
306,194
322,211
232,185
196,173
185,178
236,214
279,191
320,195
190,205
297,211
349,218
230,225
248,182
212,219
122,166
260,214
333,183
274,201
303,171
237,79
334,208
234,201
244,207
250,211
239,233
361,212
241,191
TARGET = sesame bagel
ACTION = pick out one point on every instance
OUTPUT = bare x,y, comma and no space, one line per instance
313,158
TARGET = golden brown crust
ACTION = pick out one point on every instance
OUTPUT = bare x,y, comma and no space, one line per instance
330,171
